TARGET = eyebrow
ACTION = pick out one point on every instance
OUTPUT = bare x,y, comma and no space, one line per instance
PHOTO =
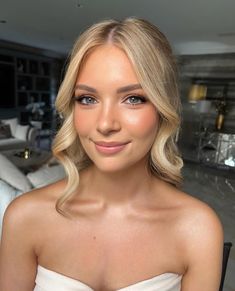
119,90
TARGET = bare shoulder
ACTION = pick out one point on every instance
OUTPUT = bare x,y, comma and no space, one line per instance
199,232
192,213
29,207
201,222
196,218
24,225
195,221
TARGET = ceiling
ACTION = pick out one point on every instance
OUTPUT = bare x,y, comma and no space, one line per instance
192,26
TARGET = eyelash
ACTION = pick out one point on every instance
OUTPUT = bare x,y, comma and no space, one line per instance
141,98
80,99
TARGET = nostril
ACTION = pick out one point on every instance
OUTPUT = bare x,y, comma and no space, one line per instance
107,127
108,123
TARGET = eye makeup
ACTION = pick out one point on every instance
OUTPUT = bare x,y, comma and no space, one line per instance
135,99
85,99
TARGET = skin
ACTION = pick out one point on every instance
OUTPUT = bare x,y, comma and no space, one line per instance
125,217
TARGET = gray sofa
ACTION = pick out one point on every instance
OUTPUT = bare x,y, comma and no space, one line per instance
16,136
13,182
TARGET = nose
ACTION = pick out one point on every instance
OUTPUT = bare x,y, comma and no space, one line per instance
108,121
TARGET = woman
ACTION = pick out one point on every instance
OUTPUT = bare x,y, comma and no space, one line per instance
121,223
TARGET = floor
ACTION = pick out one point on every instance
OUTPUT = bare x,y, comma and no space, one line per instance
216,187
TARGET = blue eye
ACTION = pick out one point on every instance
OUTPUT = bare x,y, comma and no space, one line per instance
85,100
134,100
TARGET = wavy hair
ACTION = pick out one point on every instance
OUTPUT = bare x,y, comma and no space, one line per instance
151,56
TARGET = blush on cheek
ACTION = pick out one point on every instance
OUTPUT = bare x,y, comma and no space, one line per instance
143,122
81,122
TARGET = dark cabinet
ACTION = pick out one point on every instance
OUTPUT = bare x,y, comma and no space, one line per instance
33,81
7,85
25,79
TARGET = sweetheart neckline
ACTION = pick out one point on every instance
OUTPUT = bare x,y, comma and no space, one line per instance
123,288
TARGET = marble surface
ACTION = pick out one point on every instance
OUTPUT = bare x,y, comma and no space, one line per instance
216,188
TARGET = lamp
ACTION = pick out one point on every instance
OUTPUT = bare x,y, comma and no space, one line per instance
197,92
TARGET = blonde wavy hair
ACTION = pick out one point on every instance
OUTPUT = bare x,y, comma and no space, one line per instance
153,61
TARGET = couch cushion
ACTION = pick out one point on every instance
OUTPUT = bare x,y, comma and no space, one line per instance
21,132
12,175
46,175
13,123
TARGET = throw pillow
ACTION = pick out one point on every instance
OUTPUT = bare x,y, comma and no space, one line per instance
5,131
13,123
46,175
12,175
21,131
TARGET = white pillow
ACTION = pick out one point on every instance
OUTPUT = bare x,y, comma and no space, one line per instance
21,131
7,194
12,175
46,175
13,123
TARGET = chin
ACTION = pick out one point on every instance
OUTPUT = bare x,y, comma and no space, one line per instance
117,166
110,167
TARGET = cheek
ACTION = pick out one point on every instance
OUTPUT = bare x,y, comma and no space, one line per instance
82,122
143,123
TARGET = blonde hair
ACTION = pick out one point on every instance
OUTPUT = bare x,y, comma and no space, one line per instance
153,61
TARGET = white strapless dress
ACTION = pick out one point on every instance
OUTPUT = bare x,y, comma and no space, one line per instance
47,280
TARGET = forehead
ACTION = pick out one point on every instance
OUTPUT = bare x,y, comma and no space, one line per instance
106,62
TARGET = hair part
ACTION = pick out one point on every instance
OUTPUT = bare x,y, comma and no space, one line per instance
151,56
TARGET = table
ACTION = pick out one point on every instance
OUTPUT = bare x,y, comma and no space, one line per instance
36,159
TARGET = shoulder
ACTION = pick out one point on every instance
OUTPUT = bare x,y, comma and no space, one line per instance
29,208
199,236
200,221
23,234
192,213
200,231
195,222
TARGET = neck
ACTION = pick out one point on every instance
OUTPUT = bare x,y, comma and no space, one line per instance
114,188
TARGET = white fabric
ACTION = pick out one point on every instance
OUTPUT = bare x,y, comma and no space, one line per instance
46,175
48,280
7,194
12,122
21,131
12,175
37,124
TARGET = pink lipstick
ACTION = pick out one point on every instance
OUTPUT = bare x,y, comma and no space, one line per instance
110,147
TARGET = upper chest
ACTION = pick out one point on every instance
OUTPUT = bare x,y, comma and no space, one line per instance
147,244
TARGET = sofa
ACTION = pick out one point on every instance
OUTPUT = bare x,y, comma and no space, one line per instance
16,136
14,182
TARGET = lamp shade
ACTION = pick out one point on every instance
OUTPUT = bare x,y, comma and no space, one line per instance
197,92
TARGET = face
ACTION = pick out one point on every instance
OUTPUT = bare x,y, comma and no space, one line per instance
114,119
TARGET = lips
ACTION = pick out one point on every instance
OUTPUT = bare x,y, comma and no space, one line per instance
110,147
110,144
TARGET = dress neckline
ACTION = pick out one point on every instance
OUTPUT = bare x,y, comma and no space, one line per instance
142,283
